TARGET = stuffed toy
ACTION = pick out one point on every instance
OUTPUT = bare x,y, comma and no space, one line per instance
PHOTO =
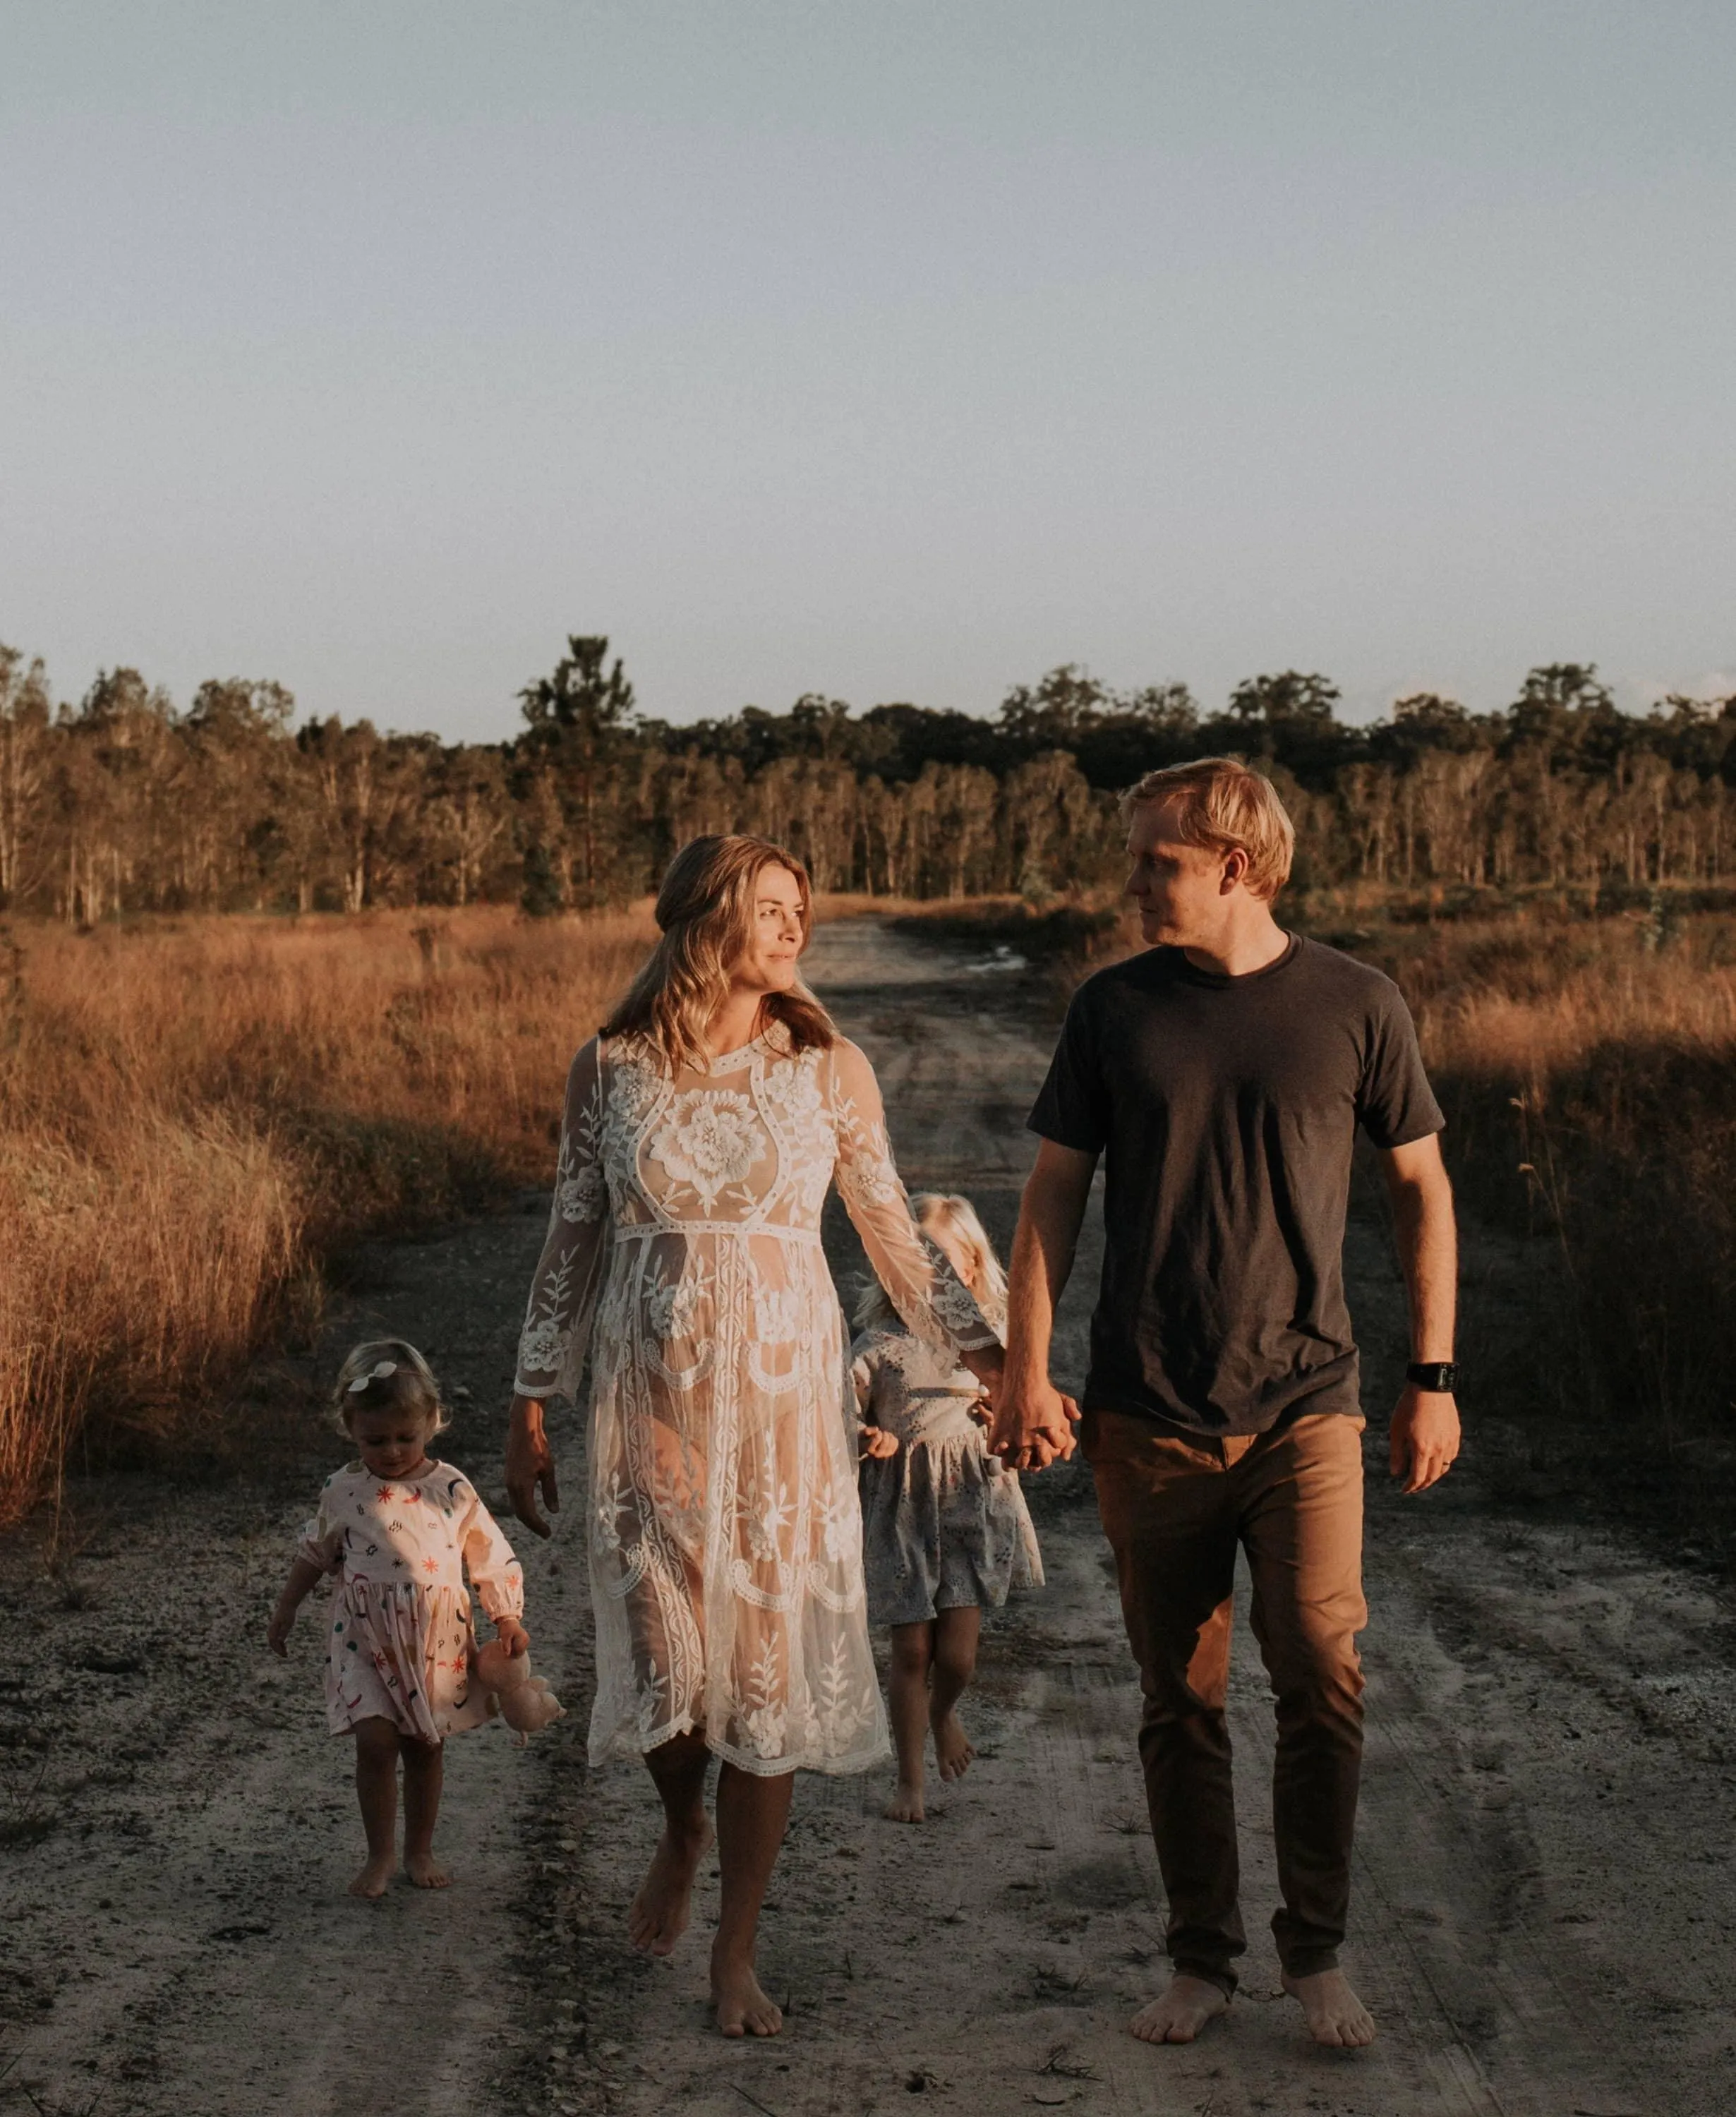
524,1701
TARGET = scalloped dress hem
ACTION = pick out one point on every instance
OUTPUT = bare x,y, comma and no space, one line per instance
625,1744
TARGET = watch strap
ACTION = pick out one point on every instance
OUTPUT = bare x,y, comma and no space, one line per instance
1439,1377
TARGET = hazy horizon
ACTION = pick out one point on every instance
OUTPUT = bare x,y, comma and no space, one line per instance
892,353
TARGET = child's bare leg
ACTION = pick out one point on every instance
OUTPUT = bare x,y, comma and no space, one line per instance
660,1911
752,1815
956,1633
912,1650
377,1789
424,1770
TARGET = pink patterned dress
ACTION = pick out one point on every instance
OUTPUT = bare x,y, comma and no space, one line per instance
400,1638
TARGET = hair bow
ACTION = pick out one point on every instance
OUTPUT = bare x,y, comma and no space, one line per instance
378,1373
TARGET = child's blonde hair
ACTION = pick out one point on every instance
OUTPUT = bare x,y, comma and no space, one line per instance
987,1279
386,1374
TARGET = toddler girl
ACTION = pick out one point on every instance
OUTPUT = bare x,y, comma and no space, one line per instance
944,1526
401,1530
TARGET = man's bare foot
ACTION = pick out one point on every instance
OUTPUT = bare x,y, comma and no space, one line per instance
1178,2015
906,1805
659,1913
426,1871
1336,2016
952,1753
742,2007
374,1878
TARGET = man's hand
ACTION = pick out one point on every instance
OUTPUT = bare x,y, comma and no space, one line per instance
1425,1436
530,1465
1032,1425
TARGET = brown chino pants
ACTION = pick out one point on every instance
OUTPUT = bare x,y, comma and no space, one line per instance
1175,1508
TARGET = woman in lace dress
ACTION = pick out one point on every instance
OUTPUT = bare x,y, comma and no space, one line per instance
703,1128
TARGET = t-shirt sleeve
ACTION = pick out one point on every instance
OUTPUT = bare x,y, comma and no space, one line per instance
1071,1108
1395,1104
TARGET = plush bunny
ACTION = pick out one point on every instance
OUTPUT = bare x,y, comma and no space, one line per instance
524,1701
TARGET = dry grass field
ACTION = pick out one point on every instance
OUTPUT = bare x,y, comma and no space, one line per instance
1589,1071
194,1113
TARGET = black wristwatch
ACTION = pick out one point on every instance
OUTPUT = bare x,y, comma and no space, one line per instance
1439,1377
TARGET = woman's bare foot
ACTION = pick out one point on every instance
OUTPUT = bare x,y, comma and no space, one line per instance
426,1871
1178,2015
953,1754
742,2007
659,1913
374,1878
906,1805
1336,2016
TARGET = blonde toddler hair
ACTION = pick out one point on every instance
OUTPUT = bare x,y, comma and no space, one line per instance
987,1280
1223,806
386,1374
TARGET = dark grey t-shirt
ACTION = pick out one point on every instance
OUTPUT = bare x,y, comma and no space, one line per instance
1226,1109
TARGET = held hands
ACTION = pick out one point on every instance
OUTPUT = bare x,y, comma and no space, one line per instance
1032,1425
530,1465
1424,1437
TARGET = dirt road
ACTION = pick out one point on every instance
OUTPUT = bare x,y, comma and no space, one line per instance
1544,1910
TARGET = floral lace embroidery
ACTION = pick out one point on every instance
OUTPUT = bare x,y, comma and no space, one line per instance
725,1539
709,1142
672,1310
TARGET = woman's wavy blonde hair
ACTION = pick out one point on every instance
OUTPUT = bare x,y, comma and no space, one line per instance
705,909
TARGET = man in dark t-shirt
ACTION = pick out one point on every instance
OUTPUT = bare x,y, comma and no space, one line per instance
1222,1076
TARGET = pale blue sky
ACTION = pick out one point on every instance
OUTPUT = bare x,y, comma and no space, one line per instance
888,350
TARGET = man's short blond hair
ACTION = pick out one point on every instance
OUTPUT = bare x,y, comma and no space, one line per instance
1224,807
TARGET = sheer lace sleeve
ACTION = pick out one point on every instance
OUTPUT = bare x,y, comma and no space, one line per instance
921,1284
563,1294
496,1575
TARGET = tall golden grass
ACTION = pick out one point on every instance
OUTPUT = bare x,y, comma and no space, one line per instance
193,1112
1588,1068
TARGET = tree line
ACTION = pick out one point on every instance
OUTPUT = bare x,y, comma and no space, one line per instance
125,802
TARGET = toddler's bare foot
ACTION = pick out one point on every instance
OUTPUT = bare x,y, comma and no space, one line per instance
659,1913
742,2007
1178,2015
374,1878
906,1805
426,1871
1336,2016
953,1754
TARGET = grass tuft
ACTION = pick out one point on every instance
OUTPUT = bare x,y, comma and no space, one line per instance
194,1113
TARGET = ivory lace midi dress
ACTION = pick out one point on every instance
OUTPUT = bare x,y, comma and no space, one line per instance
401,1634
725,1532
945,1524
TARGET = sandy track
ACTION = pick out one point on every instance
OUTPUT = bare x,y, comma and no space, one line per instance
1543,1917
